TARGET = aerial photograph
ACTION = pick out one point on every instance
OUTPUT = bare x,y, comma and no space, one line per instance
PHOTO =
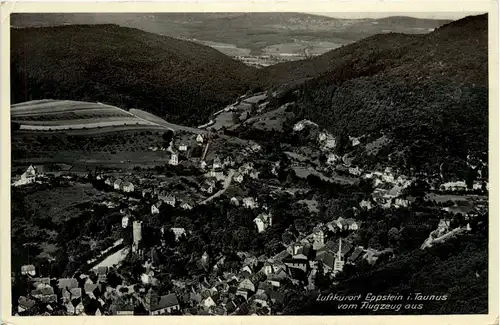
249,163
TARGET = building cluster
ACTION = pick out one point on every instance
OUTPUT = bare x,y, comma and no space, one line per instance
89,294
388,189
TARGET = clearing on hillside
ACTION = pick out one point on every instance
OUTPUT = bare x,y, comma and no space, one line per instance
57,115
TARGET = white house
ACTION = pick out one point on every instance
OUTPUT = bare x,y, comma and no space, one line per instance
354,141
217,173
263,221
299,126
454,186
28,177
246,168
318,239
209,188
365,204
401,202
355,171
347,224
178,232
332,159
377,182
254,174
187,205
199,138
28,270
388,177
228,161
322,137
155,208
183,147
146,191
124,222
170,200
203,164
477,185
174,159
217,163
205,258
329,141
146,278
208,302
256,147
117,184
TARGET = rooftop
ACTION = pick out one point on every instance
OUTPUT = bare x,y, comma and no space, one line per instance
166,301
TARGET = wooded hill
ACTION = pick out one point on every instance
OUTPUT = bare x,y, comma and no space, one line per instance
126,67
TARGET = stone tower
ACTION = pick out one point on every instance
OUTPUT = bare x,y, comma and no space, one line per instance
137,235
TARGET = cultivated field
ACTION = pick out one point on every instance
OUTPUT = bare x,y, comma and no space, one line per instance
286,49
227,49
59,115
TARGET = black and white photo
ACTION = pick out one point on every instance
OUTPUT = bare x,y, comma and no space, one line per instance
249,163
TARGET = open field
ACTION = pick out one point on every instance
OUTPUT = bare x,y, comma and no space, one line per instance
318,48
224,119
50,106
88,125
272,120
118,159
227,49
75,122
84,118
93,131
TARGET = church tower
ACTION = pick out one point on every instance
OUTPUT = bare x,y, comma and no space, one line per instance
339,262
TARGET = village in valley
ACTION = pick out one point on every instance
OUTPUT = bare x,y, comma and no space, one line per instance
227,226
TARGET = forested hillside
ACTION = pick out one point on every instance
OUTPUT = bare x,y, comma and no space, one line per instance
125,67
429,93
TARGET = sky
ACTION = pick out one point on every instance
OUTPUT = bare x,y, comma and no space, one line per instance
429,15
